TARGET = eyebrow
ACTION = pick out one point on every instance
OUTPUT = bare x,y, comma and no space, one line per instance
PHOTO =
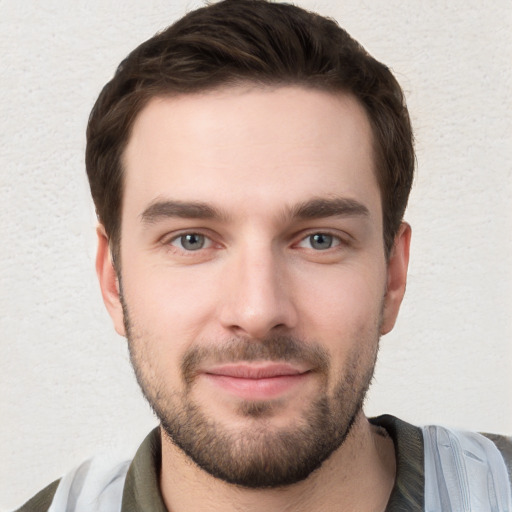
335,207
160,210
313,209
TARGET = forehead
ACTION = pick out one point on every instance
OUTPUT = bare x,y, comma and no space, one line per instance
244,147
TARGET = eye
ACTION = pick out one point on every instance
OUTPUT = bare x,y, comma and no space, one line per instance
320,241
191,242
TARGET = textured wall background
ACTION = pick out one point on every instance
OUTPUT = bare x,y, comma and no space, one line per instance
66,389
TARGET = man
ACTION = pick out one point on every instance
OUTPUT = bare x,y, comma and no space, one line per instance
250,168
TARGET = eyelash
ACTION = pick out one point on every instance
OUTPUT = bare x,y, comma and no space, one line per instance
170,242
336,239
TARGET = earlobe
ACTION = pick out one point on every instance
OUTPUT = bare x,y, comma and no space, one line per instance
108,280
396,277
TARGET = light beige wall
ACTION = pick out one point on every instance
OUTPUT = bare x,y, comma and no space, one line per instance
66,389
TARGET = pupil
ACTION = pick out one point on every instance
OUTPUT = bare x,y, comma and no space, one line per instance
192,242
321,241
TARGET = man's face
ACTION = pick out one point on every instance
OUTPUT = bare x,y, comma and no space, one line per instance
254,285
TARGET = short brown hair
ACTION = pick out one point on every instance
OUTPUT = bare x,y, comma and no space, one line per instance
257,41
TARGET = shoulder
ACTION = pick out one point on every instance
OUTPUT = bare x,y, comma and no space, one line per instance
504,445
465,468
42,500
96,484
482,445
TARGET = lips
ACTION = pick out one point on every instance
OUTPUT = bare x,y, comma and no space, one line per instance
245,371
256,381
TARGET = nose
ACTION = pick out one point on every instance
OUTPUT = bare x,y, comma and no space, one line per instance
258,295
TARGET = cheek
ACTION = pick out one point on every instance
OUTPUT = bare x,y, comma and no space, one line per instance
168,309
343,308
343,295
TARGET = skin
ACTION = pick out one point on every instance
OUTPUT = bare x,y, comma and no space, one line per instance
256,155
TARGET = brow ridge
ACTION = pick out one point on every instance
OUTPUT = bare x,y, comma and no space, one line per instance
312,209
162,209
329,207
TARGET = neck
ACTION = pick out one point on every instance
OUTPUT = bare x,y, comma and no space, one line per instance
358,476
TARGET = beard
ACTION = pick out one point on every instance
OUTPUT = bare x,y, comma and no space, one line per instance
258,455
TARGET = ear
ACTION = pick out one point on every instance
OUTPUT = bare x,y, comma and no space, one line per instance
109,283
396,277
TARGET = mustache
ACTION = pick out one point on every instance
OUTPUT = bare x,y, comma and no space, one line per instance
240,349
